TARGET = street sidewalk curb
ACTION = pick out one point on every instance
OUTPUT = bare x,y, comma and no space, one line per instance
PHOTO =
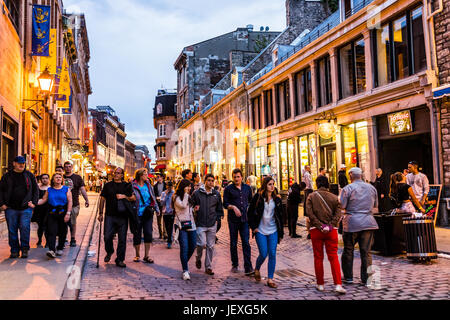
72,294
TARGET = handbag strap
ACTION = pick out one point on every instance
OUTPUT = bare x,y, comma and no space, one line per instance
323,200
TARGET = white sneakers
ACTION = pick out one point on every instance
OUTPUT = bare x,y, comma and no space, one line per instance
340,289
51,254
59,252
186,276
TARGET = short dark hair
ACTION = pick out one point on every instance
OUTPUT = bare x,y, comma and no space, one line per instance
194,175
322,181
67,162
44,174
209,175
414,163
59,167
170,184
236,171
185,172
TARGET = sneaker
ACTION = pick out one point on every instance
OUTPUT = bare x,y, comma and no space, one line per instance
51,254
120,264
209,272
169,245
340,289
296,236
250,272
347,281
24,254
186,276
234,270
59,252
198,264
320,287
308,236
73,243
107,258
14,255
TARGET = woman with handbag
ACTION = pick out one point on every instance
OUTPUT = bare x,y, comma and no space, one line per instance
59,198
323,211
185,220
146,207
265,220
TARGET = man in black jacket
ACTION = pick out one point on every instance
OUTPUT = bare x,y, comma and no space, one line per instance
19,194
342,177
208,207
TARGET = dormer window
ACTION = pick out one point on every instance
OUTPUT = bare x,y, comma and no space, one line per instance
159,109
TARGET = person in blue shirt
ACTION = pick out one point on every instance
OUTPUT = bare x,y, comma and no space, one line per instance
59,199
236,198
167,211
146,206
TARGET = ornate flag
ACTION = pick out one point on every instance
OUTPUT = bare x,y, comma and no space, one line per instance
41,31
68,111
64,87
50,61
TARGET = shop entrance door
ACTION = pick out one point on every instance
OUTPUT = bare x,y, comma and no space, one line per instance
394,154
329,162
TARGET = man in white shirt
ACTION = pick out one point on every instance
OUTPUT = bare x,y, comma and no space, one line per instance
307,179
418,181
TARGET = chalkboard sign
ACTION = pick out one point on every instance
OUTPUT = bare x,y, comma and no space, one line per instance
432,204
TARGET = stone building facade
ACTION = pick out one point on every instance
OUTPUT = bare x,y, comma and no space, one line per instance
201,66
164,121
440,20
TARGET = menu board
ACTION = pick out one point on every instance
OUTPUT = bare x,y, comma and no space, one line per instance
432,204
400,122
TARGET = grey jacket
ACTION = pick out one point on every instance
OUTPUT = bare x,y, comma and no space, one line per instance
211,208
359,199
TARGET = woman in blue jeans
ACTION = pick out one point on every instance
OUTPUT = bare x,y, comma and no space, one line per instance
265,220
146,206
185,221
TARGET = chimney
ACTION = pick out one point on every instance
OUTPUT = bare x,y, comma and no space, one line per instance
303,14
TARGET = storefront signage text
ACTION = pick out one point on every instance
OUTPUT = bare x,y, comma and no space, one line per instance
400,122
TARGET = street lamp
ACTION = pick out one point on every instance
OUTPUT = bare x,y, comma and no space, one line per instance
46,81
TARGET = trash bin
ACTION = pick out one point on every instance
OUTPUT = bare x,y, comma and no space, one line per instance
420,238
389,239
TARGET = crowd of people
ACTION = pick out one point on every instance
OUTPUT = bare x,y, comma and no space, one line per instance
53,203
190,210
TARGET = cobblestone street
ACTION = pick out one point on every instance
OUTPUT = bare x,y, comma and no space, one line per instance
399,278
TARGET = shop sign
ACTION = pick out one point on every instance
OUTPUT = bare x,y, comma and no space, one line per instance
400,122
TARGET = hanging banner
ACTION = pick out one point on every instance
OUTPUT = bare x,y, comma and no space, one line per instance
67,111
41,31
50,61
64,87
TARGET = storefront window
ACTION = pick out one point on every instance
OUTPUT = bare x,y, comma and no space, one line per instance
355,140
308,154
362,137
286,163
271,166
